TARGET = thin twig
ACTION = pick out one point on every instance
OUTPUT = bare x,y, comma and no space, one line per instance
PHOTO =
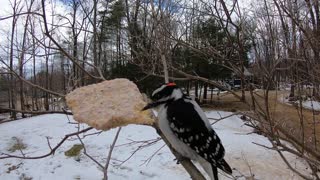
222,118
147,161
35,112
53,150
89,156
105,169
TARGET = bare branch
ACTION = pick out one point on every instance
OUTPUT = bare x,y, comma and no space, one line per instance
35,112
53,150
105,169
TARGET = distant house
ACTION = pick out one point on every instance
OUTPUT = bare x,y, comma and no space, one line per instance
236,80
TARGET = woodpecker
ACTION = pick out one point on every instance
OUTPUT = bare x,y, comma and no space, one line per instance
188,130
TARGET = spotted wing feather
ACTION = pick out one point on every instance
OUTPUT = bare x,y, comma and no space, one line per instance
188,126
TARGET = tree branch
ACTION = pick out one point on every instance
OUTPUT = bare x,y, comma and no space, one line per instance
35,112
194,173
105,169
53,150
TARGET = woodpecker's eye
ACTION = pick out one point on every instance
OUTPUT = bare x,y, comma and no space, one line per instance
156,96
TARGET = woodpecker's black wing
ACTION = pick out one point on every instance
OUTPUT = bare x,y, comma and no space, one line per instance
187,124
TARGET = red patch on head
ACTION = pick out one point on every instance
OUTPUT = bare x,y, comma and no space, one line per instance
171,84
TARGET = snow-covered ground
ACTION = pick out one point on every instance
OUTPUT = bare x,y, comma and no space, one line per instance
308,104
245,157
214,91
311,105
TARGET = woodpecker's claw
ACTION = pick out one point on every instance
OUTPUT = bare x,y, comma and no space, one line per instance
179,159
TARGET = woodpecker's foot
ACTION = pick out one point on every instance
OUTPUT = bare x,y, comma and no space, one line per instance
180,159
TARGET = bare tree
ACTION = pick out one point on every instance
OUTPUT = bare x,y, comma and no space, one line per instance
282,42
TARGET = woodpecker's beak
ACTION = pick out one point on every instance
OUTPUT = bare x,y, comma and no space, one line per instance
153,105
149,106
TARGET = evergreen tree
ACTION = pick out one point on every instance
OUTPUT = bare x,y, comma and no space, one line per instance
110,38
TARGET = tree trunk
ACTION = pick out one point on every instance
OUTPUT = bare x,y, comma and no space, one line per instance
205,92
196,88
165,68
46,98
95,33
21,62
12,78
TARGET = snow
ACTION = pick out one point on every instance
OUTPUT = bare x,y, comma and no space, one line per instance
215,91
311,105
237,138
308,104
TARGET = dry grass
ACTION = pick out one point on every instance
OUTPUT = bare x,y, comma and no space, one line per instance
227,102
289,117
17,145
74,150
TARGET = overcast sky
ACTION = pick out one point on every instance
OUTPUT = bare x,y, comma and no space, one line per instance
6,10
6,25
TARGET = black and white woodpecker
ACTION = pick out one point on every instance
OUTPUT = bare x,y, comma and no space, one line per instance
188,130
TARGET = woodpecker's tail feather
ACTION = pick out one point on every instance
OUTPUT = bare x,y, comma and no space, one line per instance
215,173
223,165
